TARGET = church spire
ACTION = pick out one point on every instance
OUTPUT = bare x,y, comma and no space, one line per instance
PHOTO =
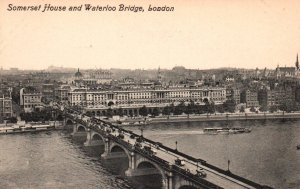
297,62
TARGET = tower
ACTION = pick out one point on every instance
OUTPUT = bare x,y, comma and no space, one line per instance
159,75
297,63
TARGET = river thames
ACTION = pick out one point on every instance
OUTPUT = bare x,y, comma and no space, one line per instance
267,155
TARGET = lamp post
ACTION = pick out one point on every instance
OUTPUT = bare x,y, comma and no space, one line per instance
142,129
228,165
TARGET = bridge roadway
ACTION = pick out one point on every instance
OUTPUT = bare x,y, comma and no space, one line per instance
213,175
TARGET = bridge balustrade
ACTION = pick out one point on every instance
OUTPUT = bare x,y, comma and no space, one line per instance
228,173
194,178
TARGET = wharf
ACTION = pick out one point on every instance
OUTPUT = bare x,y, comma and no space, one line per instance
225,117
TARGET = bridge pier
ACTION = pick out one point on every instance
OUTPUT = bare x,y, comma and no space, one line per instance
136,169
169,181
108,155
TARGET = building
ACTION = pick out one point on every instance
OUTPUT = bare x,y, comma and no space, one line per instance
61,92
5,107
48,91
266,98
93,77
283,94
250,97
281,72
236,95
30,99
144,96
233,93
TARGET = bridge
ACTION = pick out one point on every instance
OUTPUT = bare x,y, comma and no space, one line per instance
147,157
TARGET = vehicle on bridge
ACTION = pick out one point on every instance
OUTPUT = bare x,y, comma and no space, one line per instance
179,162
201,173
139,139
149,150
108,130
121,135
132,136
138,145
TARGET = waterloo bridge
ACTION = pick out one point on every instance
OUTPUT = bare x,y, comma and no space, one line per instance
152,158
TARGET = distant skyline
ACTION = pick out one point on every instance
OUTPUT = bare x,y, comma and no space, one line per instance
199,34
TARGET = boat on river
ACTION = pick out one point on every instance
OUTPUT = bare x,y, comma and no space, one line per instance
226,130
25,128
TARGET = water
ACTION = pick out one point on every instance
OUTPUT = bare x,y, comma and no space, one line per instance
267,155
51,161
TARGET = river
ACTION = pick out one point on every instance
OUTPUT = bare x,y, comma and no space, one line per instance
267,155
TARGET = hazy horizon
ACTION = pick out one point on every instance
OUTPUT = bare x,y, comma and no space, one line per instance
87,68
197,35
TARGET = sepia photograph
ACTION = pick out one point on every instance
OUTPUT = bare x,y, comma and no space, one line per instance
149,94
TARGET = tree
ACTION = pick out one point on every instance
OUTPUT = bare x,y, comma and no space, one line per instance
242,109
12,120
179,109
263,108
109,112
120,112
166,110
143,111
211,108
155,112
252,109
229,105
273,108
220,109
288,106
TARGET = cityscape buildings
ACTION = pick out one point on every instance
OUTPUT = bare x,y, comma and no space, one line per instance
126,91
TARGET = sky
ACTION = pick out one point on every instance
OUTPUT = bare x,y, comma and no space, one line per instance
198,34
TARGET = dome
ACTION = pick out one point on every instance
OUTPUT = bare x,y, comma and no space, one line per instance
78,73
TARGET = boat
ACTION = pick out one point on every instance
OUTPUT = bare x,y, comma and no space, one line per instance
226,130
212,131
223,131
25,128
238,130
137,123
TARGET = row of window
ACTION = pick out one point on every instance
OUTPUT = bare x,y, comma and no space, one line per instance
32,97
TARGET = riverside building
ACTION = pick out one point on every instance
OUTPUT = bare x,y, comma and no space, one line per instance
5,107
159,97
30,100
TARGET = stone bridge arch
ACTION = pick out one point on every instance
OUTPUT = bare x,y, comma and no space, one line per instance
81,128
97,136
182,183
188,187
118,148
144,161
69,122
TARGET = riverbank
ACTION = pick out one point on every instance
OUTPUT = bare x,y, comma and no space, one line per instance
222,117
